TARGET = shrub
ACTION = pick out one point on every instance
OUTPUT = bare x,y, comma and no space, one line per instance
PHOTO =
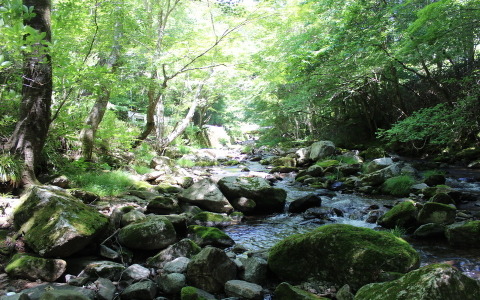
185,163
104,183
398,186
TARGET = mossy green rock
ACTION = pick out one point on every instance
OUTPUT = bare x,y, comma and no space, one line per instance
206,218
464,234
56,224
204,236
63,295
438,281
439,213
192,293
155,232
33,268
403,215
341,254
286,291
184,248
267,199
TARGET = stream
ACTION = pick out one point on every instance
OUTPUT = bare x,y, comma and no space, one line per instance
262,232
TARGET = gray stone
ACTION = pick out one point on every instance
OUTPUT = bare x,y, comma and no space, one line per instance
178,265
30,267
105,269
321,149
378,177
256,269
190,292
286,291
171,283
184,248
314,171
439,213
430,230
37,292
132,217
143,290
207,195
63,295
136,272
243,289
210,270
106,289
301,204
464,234
155,232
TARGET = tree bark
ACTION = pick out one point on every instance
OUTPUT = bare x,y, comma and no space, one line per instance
30,134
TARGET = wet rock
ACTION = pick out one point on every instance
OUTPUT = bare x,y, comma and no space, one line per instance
434,179
212,219
30,267
136,272
303,203
163,205
443,198
267,198
178,265
243,289
303,155
171,283
341,254
104,269
143,290
212,236
403,215
464,234
106,289
321,149
207,195
430,230
378,164
378,177
243,204
314,171
438,281
255,270
210,270
318,212
56,224
439,213
184,248
191,293
286,291
155,232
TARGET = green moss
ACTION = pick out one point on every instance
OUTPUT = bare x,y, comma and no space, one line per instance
205,216
464,234
401,215
208,233
327,163
439,213
190,293
398,186
232,162
285,291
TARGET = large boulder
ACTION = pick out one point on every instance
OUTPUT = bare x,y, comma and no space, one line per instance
154,232
301,204
464,234
378,177
207,195
267,198
56,224
210,269
433,212
243,290
341,254
212,236
321,149
402,215
286,291
184,248
438,281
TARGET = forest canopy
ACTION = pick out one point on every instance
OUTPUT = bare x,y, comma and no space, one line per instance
131,74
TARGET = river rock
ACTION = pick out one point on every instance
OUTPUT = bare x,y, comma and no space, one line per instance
171,283
178,265
207,195
430,230
190,292
63,295
321,149
378,177
105,269
243,204
106,289
314,171
255,270
378,164
243,289
303,203
211,219
143,290
212,236
136,272
341,254
443,198
162,163
210,270
434,179
37,292
267,198
286,291
303,155
163,205
155,232
132,216
433,212
402,214
30,267
184,248
464,234
437,281
55,224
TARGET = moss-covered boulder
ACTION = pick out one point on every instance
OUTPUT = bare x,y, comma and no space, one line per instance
464,234
163,205
152,233
206,218
341,254
56,224
438,281
433,212
286,291
284,162
321,149
31,267
377,178
434,179
443,198
184,248
206,195
210,269
402,215
63,295
267,198
301,204
212,236
193,293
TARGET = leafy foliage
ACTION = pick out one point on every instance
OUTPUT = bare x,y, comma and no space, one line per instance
10,170
104,183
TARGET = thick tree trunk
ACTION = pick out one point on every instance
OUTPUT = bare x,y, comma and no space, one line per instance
29,136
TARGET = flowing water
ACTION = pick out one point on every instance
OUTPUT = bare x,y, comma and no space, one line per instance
257,233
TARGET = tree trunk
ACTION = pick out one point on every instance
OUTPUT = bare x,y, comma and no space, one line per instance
88,133
29,136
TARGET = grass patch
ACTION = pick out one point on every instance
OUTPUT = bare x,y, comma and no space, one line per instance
141,169
104,183
185,163
398,231
349,160
398,186
327,163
